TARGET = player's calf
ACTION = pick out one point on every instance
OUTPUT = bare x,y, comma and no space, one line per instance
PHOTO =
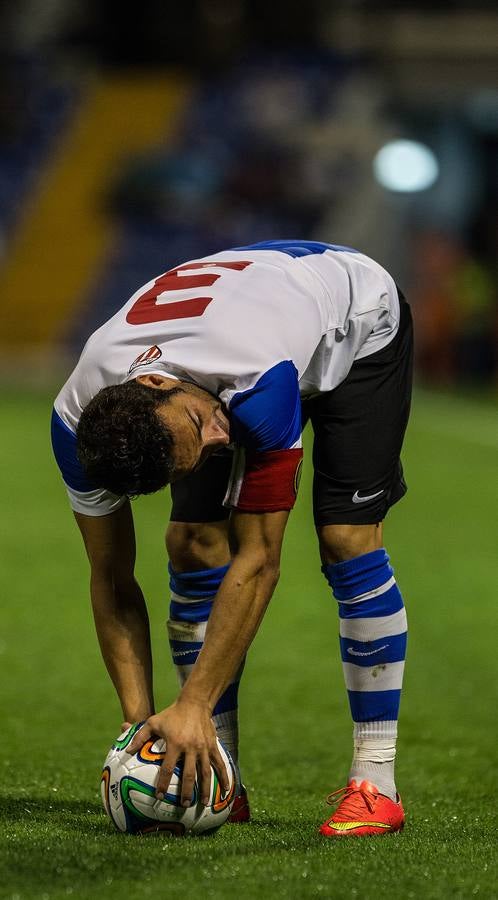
373,635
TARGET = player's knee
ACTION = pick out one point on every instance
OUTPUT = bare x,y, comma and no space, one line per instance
193,546
341,542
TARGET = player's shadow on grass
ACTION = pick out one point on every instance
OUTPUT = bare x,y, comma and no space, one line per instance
85,815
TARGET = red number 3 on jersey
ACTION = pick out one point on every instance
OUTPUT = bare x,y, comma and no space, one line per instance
149,308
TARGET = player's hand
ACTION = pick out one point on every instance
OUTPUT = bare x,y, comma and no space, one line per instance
189,733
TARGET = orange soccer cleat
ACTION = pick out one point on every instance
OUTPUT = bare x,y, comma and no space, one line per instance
362,810
240,809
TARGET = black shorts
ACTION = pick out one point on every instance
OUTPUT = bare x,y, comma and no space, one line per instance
358,433
199,497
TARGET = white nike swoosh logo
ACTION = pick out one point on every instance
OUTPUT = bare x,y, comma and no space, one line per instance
354,652
358,499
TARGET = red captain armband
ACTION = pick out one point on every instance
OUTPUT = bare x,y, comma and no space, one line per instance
271,481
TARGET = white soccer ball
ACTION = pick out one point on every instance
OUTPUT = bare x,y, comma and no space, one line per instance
128,792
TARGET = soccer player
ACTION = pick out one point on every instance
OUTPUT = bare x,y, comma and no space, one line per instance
204,380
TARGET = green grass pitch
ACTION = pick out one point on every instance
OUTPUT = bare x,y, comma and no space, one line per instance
60,714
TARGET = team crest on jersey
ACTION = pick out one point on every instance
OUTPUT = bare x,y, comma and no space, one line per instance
148,356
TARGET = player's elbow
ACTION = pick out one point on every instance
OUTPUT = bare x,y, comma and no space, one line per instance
269,573
259,565
272,575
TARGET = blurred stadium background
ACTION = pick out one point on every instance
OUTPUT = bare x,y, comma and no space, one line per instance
130,142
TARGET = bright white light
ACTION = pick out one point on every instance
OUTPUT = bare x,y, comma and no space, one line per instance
405,166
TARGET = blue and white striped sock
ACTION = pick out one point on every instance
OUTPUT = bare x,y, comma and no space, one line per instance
373,634
192,595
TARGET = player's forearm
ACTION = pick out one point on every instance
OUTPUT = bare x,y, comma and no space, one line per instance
238,609
122,627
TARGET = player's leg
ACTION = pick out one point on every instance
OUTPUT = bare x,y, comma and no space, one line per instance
359,430
373,644
199,556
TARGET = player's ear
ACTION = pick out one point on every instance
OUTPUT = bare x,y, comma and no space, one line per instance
154,380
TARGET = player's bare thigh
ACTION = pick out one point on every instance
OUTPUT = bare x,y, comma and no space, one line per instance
341,542
192,546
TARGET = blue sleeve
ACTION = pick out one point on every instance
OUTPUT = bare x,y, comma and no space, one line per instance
268,415
64,447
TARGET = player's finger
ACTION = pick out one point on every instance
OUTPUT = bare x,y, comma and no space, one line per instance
221,770
143,734
125,726
188,778
204,774
166,773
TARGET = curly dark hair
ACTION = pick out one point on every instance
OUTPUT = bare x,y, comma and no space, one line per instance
122,443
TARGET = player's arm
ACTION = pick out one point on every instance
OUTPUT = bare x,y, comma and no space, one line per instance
266,423
106,525
237,611
119,608
242,599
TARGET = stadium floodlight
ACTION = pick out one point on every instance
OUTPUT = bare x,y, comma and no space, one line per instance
405,166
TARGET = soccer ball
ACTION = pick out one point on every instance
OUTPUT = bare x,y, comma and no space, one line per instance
128,792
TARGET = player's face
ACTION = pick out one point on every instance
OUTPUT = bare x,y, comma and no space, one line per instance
196,419
199,426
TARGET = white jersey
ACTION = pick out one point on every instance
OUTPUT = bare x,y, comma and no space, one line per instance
259,327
